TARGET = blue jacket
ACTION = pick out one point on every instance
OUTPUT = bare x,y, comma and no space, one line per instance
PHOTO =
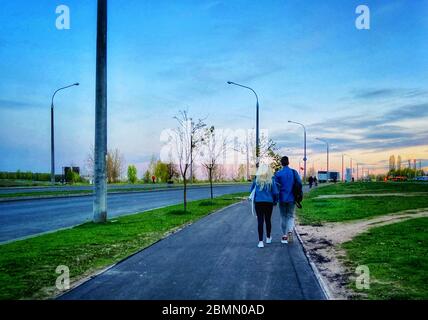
266,194
285,180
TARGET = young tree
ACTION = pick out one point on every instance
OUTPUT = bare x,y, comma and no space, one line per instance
184,138
115,165
241,173
132,174
172,172
115,162
147,176
161,171
273,156
213,149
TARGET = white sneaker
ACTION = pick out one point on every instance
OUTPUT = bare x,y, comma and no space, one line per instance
284,240
269,240
261,244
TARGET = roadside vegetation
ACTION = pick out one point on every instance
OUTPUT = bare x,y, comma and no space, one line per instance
318,209
396,253
27,267
397,257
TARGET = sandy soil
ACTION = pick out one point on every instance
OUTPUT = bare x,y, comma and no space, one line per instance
322,244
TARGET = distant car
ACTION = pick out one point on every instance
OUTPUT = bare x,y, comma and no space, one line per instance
322,176
332,176
422,178
398,178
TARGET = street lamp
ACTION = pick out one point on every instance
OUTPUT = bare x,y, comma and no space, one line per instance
53,131
328,153
304,147
257,121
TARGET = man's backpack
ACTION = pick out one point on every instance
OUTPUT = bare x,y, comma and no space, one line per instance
297,190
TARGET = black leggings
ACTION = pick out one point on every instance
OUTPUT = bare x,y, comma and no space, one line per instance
264,214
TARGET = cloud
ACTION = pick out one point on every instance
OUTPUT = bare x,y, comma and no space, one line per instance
384,93
369,132
7,104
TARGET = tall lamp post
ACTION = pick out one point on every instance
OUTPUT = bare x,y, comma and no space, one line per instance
257,120
304,147
328,154
53,131
100,199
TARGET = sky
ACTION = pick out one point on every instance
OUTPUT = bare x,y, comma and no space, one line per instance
365,91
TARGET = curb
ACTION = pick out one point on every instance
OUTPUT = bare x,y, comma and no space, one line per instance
314,268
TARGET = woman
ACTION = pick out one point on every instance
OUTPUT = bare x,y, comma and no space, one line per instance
266,195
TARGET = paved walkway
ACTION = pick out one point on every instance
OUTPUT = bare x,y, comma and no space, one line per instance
215,258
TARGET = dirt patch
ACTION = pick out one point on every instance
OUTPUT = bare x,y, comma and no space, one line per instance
361,195
323,246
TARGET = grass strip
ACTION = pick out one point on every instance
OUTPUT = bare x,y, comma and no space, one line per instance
27,267
370,187
397,257
317,211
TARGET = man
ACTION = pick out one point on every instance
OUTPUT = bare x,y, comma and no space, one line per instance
286,178
311,182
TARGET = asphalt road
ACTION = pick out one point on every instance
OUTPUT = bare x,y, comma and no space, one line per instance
89,188
20,219
216,258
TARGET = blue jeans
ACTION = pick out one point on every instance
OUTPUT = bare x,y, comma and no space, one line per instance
287,210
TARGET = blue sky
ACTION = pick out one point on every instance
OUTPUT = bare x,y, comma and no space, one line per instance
365,90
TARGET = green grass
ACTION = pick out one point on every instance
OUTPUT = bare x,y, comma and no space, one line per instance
316,211
7,183
370,187
397,257
27,267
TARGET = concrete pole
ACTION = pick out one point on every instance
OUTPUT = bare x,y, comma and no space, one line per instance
52,146
100,201
248,156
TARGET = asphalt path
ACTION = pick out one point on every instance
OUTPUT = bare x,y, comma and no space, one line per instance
216,258
19,219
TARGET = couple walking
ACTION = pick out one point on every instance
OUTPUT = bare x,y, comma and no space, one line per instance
267,191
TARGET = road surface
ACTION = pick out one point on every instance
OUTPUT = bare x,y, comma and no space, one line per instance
20,219
68,188
216,258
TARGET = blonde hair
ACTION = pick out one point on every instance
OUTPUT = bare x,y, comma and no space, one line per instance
264,177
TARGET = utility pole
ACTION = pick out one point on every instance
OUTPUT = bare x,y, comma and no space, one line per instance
248,156
100,201
191,150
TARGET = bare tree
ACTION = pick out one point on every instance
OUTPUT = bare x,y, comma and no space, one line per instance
185,139
213,149
114,163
